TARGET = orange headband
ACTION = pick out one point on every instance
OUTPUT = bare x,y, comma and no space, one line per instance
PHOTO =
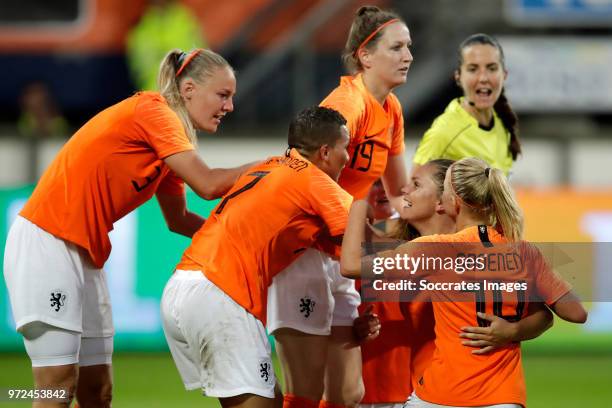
187,61
369,37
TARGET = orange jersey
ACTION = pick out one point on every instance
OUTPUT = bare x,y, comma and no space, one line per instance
397,358
420,318
389,356
455,376
376,132
110,166
274,211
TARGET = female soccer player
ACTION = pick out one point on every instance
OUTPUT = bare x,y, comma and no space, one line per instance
480,201
395,360
406,333
214,306
316,347
481,123
59,243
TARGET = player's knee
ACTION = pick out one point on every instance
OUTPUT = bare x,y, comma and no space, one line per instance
95,386
104,394
95,395
349,396
354,394
62,378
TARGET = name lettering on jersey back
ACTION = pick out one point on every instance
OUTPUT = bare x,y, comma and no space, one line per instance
291,162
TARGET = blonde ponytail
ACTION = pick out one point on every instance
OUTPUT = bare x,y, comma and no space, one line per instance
485,190
199,64
507,211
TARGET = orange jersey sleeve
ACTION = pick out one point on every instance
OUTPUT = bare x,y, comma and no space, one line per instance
376,132
275,210
328,202
161,128
110,166
550,286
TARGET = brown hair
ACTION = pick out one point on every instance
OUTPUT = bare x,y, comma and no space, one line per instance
406,231
201,65
486,190
367,20
502,106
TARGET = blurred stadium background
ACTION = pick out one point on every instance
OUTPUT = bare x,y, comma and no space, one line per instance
286,53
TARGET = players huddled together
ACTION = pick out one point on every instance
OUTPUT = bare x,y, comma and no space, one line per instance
282,253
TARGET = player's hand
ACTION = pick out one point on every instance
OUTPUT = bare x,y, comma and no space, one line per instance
367,326
487,339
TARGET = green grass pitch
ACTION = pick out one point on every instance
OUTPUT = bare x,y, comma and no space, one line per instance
151,380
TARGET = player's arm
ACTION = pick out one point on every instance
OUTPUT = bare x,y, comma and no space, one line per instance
501,332
569,308
394,178
538,320
206,182
178,218
354,235
554,290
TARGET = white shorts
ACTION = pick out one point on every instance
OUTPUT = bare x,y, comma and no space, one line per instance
415,402
53,281
216,344
51,346
311,296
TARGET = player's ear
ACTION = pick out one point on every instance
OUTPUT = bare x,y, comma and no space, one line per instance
457,204
324,152
187,88
365,58
457,78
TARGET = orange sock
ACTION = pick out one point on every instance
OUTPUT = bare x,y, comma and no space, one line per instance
327,404
293,401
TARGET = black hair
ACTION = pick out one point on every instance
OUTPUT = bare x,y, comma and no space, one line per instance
502,105
314,127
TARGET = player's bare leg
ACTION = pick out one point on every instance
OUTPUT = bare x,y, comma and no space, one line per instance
95,386
62,377
278,396
343,382
302,358
247,401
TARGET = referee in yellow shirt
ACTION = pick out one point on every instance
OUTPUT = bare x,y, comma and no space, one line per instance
481,123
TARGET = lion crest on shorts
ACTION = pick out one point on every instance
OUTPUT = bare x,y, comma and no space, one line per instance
58,300
307,306
266,372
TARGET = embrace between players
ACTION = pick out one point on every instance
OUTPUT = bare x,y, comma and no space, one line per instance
281,249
